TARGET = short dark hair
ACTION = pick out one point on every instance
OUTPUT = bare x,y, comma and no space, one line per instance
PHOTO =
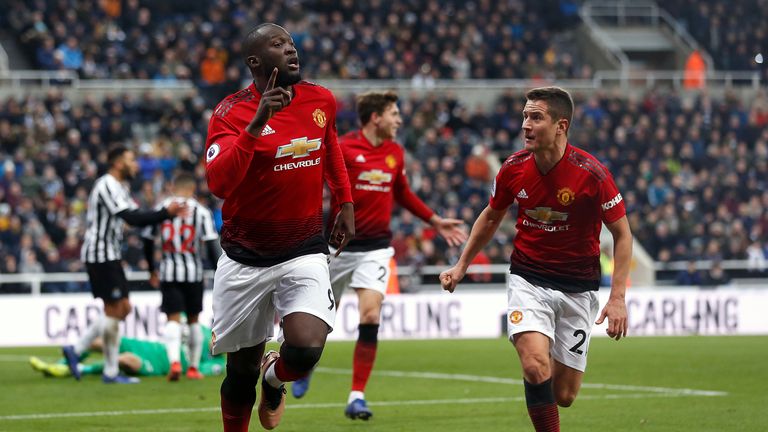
253,38
184,179
116,153
559,102
373,102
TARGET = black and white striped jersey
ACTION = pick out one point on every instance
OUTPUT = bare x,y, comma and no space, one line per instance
104,232
181,239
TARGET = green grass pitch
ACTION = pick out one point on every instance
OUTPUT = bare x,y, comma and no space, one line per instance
637,384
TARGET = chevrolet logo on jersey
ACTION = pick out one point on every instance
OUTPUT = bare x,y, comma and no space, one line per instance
375,177
546,215
299,147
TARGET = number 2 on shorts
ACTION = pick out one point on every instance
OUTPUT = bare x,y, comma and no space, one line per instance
383,274
579,334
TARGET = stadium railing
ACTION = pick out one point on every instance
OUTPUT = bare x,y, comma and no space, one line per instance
36,280
38,78
674,78
472,93
634,79
485,92
482,276
23,82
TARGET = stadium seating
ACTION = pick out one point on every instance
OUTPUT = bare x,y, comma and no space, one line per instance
200,40
693,167
732,31
693,170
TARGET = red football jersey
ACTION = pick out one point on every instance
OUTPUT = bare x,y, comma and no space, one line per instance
559,219
377,175
272,185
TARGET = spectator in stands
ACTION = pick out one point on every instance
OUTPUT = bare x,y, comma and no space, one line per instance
72,56
30,262
716,276
757,261
8,266
212,68
690,276
46,54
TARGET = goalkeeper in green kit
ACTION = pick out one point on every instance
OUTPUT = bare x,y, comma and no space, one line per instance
138,358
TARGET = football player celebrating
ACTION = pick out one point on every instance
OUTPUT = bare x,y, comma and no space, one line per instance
376,167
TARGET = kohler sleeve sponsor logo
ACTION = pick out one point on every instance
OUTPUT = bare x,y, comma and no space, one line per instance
612,203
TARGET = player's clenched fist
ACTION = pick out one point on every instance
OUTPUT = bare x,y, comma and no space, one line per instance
450,278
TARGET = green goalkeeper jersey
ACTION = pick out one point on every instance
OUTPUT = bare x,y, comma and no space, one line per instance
154,358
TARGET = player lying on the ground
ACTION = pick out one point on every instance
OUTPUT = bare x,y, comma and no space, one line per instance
138,357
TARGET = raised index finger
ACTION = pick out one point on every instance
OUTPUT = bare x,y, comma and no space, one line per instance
272,79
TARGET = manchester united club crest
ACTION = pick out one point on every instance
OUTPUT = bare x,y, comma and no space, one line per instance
390,161
566,196
515,317
319,117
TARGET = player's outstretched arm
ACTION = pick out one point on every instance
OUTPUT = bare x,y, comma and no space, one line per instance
178,208
142,218
616,308
482,232
452,230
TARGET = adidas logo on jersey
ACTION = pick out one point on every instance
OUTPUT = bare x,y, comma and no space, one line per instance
522,194
267,131
360,158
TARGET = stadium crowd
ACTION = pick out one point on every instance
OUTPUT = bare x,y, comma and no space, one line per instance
733,32
421,40
693,170
200,40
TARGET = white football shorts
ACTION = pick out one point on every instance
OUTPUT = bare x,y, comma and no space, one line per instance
368,269
566,318
246,298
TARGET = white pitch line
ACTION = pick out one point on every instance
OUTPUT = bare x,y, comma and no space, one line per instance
651,393
662,390
511,381
464,401
107,413
479,378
